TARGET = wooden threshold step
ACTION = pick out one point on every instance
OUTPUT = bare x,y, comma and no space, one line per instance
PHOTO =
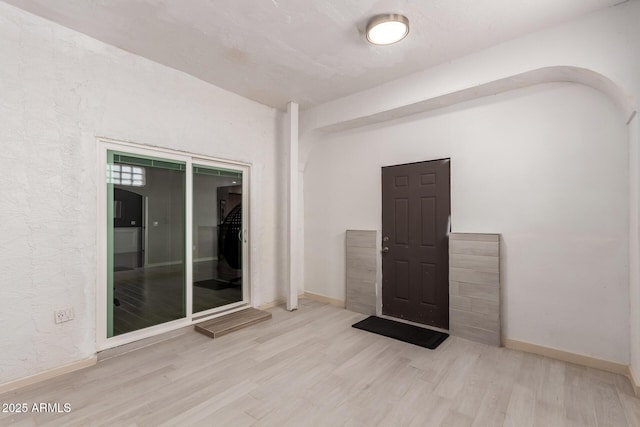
231,322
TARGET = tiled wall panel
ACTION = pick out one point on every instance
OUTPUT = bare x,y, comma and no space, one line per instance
361,271
474,287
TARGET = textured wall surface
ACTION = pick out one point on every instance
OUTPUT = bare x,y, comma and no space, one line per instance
585,307
605,42
59,90
546,167
585,42
474,287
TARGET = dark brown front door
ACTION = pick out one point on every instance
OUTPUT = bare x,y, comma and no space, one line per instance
416,205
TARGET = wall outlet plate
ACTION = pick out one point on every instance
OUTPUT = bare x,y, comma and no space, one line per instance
63,315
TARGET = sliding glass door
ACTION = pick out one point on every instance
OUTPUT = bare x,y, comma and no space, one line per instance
217,237
176,241
146,255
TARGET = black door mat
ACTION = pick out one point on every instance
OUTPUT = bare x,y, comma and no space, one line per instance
401,331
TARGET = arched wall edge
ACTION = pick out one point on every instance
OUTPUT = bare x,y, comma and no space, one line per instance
312,127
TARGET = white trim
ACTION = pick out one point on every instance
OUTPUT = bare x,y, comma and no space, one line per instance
295,258
162,328
633,129
48,374
283,301
247,290
144,150
101,245
217,310
567,356
634,382
201,316
247,284
358,110
322,298
140,334
196,157
137,345
188,241
274,303
106,144
145,225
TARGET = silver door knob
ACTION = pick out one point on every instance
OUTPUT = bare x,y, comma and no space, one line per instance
385,249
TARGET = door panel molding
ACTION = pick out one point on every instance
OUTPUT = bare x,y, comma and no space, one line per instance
416,208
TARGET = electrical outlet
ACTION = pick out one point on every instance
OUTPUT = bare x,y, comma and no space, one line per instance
63,315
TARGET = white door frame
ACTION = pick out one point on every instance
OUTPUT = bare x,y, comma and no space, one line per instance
106,144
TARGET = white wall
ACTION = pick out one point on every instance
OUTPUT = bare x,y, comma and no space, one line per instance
544,166
606,42
634,248
59,90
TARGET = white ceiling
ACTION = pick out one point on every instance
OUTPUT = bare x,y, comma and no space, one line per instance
308,51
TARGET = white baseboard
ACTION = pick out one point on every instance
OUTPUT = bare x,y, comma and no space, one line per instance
144,342
307,295
275,303
634,382
565,356
321,298
51,373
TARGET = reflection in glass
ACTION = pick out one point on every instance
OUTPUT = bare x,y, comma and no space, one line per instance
217,237
146,232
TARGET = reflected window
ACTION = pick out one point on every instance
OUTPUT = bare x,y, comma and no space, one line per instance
132,176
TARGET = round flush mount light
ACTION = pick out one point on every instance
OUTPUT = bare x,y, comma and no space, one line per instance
387,29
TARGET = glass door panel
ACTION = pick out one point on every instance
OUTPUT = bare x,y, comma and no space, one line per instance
146,242
217,237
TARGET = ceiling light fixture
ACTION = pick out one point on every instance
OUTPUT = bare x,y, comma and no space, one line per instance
387,29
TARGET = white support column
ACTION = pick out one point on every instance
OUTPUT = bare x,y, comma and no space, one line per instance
634,249
294,252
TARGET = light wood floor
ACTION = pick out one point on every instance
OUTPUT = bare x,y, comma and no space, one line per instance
310,368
